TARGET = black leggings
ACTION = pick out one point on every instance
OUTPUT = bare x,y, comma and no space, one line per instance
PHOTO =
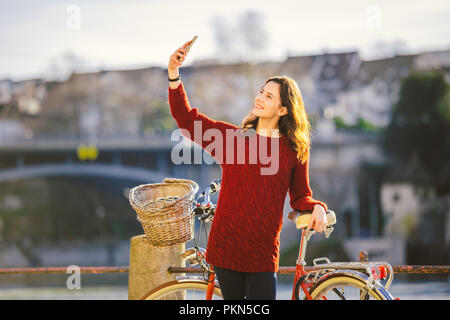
237,285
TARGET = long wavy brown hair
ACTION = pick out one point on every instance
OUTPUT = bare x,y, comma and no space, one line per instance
295,124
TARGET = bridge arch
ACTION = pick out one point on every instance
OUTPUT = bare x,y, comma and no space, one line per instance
139,175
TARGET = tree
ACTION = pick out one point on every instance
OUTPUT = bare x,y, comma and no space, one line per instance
60,68
246,40
419,131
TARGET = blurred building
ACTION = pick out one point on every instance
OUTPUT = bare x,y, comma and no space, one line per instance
334,85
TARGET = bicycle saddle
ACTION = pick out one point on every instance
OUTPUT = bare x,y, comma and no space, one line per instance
302,219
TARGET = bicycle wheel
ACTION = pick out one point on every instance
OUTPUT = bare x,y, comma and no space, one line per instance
346,287
182,290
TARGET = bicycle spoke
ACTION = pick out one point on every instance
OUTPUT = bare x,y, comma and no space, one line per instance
340,294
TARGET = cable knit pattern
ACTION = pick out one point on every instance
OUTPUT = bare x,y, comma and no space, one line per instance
245,233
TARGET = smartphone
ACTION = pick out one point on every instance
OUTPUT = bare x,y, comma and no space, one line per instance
188,47
190,44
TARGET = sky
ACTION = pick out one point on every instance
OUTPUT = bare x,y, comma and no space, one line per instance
35,36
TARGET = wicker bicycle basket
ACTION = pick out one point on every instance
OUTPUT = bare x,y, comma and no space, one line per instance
165,210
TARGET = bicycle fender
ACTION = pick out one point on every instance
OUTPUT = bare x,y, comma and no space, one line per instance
357,275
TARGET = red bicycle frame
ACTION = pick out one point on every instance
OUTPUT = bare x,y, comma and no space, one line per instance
211,284
300,270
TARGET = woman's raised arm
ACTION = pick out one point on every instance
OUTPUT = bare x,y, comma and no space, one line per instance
198,127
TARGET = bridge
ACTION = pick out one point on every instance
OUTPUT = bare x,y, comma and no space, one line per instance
144,160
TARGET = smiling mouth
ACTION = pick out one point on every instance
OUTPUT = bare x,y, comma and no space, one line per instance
257,106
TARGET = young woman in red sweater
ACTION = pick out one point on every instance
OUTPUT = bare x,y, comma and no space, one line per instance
243,244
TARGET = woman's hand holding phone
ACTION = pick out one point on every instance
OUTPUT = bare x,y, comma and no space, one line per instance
176,60
178,57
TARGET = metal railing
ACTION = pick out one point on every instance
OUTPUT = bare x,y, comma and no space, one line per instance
400,269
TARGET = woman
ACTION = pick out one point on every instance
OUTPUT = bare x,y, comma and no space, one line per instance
243,245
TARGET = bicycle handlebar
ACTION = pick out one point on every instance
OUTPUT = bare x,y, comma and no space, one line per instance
215,185
206,209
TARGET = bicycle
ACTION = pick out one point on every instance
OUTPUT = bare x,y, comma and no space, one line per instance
324,281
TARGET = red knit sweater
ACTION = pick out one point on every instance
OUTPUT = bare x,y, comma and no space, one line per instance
245,233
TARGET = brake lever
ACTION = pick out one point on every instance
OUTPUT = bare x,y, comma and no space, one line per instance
215,185
208,217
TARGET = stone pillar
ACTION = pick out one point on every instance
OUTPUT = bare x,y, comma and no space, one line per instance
148,266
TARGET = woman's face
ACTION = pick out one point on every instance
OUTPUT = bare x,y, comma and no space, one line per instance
268,101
